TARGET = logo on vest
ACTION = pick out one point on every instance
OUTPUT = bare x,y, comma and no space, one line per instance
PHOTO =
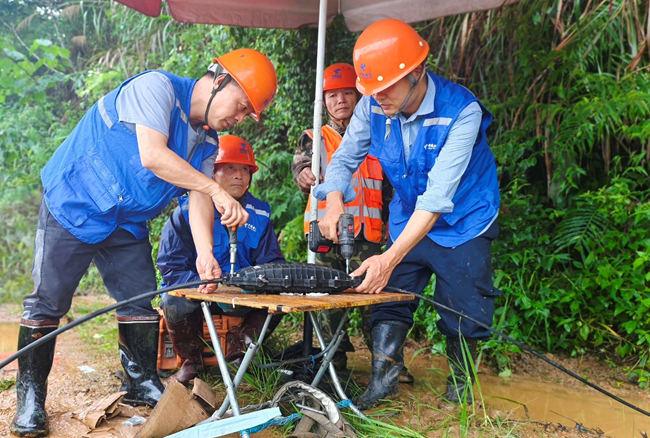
250,227
430,147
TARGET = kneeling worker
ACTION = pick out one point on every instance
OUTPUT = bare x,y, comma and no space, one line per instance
233,170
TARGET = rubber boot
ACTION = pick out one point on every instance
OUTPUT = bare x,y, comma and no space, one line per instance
248,332
138,341
387,361
31,381
404,375
186,337
461,355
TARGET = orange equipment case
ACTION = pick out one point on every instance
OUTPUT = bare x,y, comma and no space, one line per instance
226,327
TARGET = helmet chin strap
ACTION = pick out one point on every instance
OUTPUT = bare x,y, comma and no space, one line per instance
413,82
217,69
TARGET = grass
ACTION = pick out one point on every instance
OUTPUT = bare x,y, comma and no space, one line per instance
100,333
6,384
411,418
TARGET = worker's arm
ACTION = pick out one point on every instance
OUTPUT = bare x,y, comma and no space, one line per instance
443,180
346,160
301,165
166,165
378,269
145,105
201,213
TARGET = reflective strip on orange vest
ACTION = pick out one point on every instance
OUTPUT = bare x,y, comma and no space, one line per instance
366,181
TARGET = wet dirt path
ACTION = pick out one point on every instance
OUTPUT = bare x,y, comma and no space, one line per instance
78,379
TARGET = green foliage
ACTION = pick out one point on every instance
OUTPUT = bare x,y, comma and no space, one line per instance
292,240
579,290
6,384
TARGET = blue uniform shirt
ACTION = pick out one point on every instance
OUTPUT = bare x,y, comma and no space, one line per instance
445,171
257,243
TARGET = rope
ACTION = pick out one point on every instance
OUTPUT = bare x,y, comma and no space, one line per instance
280,421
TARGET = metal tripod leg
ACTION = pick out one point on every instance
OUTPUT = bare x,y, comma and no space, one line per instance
327,360
253,347
223,367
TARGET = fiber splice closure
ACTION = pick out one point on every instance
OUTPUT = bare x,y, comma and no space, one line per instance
277,278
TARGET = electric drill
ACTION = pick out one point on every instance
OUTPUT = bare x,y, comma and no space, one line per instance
232,241
345,232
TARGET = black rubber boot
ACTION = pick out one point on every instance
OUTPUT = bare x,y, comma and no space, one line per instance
138,340
186,337
248,332
461,355
404,375
31,382
387,362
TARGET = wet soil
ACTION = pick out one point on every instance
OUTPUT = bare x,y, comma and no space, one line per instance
536,401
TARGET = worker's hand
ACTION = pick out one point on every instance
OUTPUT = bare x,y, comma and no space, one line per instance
232,213
378,270
329,224
306,180
208,269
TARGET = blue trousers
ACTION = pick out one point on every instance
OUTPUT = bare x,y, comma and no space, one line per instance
463,283
61,260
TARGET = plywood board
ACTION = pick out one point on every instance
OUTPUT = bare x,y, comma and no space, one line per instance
291,303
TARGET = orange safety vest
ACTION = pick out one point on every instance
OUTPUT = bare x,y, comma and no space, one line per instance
366,181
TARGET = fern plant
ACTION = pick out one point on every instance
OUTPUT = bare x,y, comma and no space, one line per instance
581,227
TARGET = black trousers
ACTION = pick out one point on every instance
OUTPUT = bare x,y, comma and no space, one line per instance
61,260
463,283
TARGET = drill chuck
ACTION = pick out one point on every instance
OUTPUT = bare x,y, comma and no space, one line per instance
346,236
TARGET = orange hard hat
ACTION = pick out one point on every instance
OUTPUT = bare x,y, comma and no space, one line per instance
255,73
233,149
338,76
386,52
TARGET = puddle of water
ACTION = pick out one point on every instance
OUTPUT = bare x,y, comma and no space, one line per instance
8,336
580,403
545,400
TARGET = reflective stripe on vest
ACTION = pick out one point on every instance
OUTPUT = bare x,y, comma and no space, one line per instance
367,183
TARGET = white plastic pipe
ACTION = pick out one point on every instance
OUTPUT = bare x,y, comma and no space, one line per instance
318,114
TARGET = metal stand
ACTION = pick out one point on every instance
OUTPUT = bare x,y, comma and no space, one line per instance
310,327
223,367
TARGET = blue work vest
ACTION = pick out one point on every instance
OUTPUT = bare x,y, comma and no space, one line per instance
476,201
95,181
248,235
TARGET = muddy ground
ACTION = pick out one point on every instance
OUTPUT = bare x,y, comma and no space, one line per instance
537,401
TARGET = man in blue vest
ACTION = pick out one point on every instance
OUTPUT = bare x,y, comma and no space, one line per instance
429,136
144,143
257,244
